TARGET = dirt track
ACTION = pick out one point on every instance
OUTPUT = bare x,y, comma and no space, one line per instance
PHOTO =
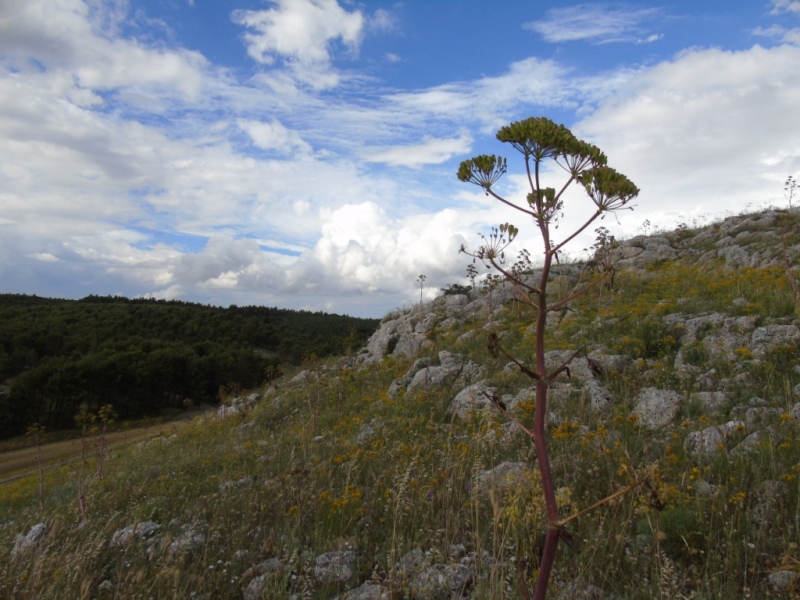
17,464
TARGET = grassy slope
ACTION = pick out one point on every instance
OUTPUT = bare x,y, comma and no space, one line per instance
307,486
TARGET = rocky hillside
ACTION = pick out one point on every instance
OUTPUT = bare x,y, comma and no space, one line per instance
389,474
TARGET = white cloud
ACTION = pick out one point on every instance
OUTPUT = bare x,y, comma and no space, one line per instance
173,292
786,36
274,136
45,257
107,16
490,99
382,20
529,85
429,152
709,125
780,6
597,22
221,257
362,250
302,32
61,36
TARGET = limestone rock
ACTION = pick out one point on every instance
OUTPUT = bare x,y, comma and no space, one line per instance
240,406
401,383
768,338
452,368
752,441
409,565
711,401
432,376
780,581
301,377
470,399
598,395
459,578
368,591
335,567
24,542
246,481
611,362
643,250
578,368
366,434
502,477
122,537
264,572
428,584
703,488
188,540
756,416
402,333
711,439
369,431
657,408
766,499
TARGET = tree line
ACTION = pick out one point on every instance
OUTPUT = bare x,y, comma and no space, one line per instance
144,356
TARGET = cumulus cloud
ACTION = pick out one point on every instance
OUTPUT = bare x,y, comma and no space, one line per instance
709,124
222,260
600,23
302,33
363,250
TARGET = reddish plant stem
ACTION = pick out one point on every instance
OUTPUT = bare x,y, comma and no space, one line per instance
539,441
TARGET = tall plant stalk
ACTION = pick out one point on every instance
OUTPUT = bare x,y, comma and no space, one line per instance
538,140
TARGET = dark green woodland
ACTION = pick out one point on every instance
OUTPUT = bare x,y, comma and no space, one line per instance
145,356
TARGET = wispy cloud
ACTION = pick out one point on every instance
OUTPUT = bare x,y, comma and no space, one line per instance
780,6
429,152
782,34
274,136
382,20
599,23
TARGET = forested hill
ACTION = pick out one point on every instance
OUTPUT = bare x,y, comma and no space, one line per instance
143,356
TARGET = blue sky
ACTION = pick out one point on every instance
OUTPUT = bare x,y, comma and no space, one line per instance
302,153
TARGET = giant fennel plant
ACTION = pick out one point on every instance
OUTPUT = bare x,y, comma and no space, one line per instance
540,140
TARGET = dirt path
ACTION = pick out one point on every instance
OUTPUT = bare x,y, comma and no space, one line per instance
17,464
